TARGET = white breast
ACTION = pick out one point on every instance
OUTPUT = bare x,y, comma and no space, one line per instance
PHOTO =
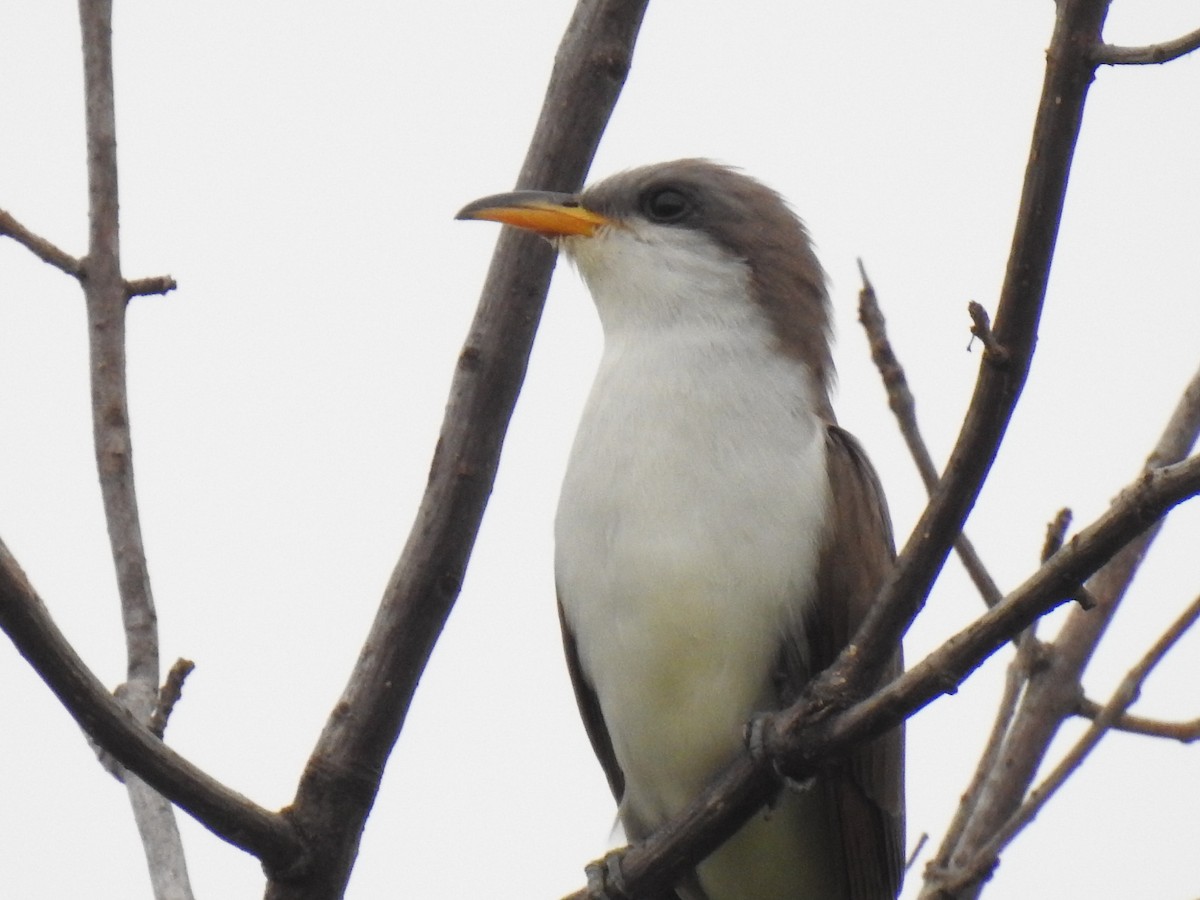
690,517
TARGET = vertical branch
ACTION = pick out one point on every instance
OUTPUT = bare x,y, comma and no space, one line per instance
107,295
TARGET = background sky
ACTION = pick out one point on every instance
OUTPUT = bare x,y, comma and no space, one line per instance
297,168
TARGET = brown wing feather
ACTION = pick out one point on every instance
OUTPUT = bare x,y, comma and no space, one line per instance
866,793
589,711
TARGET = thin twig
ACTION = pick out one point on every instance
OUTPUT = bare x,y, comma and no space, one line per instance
39,246
981,328
1151,54
904,408
156,284
985,858
1185,732
1056,533
169,694
1016,676
48,252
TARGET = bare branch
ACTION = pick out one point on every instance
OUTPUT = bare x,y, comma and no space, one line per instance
39,246
1016,676
342,777
24,618
1069,74
1185,732
64,262
1151,54
157,284
904,408
106,298
1126,693
1054,692
107,295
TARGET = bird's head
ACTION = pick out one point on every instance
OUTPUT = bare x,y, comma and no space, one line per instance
689,241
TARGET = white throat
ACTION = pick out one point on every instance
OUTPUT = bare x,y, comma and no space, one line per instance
690,518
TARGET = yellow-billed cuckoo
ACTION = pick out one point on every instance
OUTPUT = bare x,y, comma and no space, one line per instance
719,538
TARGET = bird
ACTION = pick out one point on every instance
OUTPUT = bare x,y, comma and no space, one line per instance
718,538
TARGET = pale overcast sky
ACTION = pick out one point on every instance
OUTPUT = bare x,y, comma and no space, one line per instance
297,168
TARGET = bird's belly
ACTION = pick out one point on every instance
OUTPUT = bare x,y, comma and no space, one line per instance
685,550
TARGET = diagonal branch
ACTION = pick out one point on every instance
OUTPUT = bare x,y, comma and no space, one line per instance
1185,732
1053,692
342,776
1069,73
904,408
1127,691
24,618
39,246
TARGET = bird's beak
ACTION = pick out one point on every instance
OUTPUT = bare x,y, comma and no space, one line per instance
550,214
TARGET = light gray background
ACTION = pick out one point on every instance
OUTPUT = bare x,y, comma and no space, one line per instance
296,167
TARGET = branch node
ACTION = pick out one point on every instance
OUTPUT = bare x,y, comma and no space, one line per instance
156,284
995,353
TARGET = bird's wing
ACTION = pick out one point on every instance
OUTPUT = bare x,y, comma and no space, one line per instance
589,711
866,791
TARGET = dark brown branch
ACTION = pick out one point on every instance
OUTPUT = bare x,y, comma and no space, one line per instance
1138,508
1185,732
796,740
904,408
1151,54
342,777
24,618
1068,75
1127,691
39,246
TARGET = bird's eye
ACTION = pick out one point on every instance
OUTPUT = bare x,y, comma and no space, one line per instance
665,205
